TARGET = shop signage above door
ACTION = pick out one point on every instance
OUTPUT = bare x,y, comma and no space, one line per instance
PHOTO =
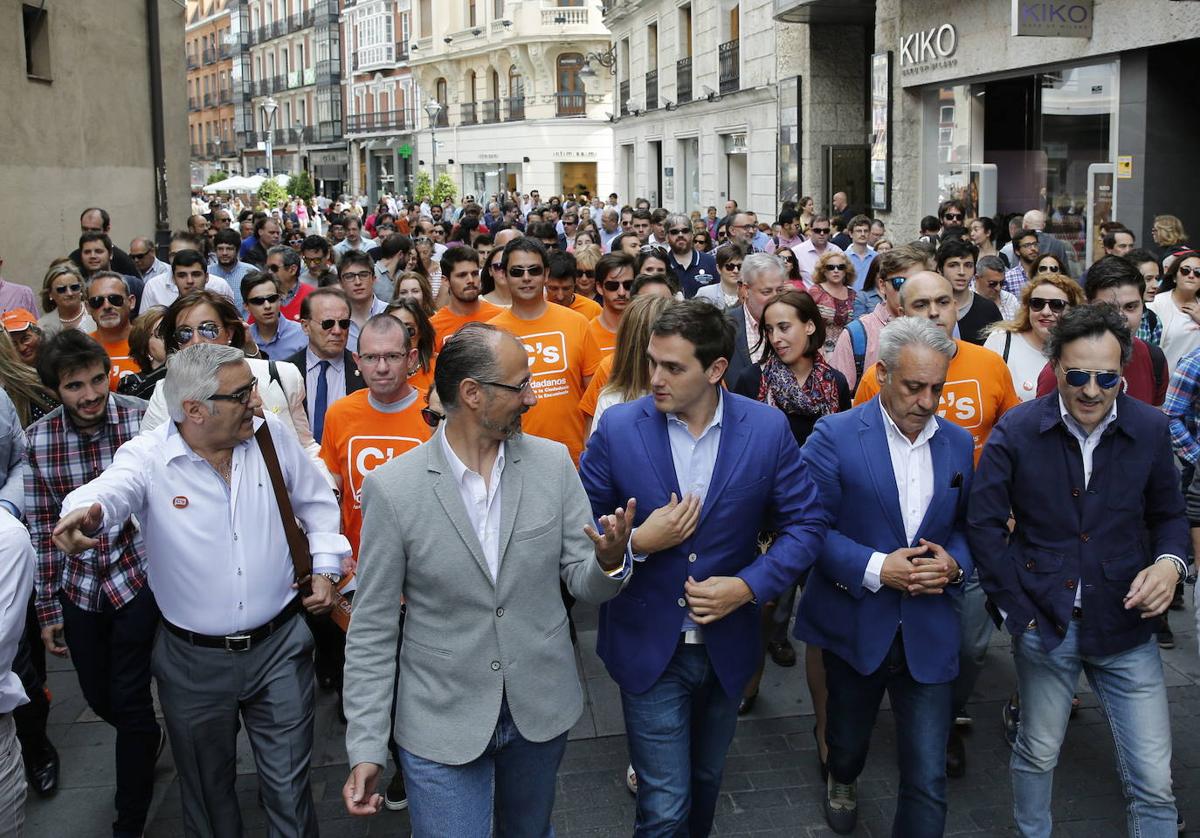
1053,18
928,49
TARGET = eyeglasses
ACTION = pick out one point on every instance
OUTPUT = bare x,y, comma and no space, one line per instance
615,284
1048,268
532,270
141,255
678,231
371,359
1185,270
114,300
841,267
68,289
897,282
1039,303
527,384
1105,378
953,216
343,324
241,396
733,267
262,301
207,330
431,416
819,231
355,276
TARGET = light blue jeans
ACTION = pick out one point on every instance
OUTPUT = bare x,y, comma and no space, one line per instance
1129,686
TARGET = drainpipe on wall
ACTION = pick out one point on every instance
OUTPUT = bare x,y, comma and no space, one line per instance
162,220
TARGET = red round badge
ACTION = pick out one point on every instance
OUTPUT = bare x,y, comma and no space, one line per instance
180,502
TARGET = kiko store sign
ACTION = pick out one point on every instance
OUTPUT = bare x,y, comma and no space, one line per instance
1061,19
928,50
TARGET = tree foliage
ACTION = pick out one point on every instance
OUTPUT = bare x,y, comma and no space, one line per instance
301,186
445,190
272,194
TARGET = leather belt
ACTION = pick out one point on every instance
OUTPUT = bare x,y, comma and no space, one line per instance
1076,613
692,637
238,642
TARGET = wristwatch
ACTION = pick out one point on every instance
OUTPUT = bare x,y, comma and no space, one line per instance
959,577
333,578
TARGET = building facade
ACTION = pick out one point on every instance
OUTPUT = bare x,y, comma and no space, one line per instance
209,49
698,108
291,80
71,143
516,111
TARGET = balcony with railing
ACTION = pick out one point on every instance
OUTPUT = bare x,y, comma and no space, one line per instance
652,90
209,100
401,51
466,114
490,111
225,50
516,109
443,117
623,93
683,80
570,104
210,55
358,123
730,67
565,16
192,61
193,103
225,96
197,151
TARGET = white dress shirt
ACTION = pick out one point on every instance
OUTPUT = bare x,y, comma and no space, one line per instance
16,582
912,466
1087,449
160,290
335,380
481,501
216,555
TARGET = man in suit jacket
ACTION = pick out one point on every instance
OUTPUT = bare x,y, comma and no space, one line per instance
1095,555
684,637
325,316
893,479
762,278
473,529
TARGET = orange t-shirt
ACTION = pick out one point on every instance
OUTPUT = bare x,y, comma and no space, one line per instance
445,322
587,405
358,438
122,363
977,392
562,353
421,379
588,308
606,340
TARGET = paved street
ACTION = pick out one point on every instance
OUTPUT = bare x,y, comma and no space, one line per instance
771,782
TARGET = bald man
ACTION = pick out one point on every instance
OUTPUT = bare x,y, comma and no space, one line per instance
1036,220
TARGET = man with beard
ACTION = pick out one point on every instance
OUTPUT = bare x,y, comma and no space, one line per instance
458,528
693,269
460,270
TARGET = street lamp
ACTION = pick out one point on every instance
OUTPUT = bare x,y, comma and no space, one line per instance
269,107
432,108
606,59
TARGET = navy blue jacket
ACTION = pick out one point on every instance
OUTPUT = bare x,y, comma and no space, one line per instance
1101,535
849,458
758,483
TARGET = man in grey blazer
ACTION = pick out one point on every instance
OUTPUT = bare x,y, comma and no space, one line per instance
485,683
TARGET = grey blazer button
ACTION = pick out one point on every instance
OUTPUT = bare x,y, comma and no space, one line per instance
499,612
681,602
691,557
495,666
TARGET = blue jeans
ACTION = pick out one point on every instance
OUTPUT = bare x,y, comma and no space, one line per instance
976,626
923,719
512,782
679,731
1129,686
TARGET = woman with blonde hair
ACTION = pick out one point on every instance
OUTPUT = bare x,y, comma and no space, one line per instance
1019,341
630,376
585,262
1169,235
20,381
412,285
833,291
62,300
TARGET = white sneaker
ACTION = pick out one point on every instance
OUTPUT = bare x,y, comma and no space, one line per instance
631,780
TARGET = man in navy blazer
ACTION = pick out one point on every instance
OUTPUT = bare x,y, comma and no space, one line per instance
893,479
709,470
1088,476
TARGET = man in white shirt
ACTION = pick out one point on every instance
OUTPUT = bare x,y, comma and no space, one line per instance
354,240
231,645
16,581
189,272
808,252
610,227
142,252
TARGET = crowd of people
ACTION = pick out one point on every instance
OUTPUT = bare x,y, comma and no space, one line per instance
383,451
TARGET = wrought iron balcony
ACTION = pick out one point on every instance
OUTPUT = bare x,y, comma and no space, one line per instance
210,55
382,121
192,61
491,111
516,109
624,96
570,104
730,67
683,80
652,90
466,113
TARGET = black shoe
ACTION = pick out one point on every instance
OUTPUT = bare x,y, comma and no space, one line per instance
747,704
963,718
1180,825
1010,715
956,755
396,797
822,763
1166,637
841,806
43,774
782,652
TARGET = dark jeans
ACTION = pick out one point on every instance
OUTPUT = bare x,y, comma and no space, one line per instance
679,732
922,713
110,649
30,666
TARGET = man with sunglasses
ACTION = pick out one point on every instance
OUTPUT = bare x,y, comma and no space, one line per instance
111,306
1089,477
283,263
953,216
327,366
808,252
693,269
989,284
93,603
142,252
277,337
614,281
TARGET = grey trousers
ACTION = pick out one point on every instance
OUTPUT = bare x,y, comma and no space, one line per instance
271,688
12,780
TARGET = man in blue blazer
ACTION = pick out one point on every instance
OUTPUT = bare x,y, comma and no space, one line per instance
709,470
1088,476
893,479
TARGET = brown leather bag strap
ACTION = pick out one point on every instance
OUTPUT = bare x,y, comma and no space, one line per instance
297,542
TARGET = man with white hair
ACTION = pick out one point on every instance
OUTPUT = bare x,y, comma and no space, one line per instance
1036,220
762,277
210,490
610,227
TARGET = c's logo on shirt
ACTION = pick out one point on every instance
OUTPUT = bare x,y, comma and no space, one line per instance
547,352
366,453
179,502
962,403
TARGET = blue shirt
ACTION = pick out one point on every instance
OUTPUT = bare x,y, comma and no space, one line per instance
701,271
861,264
289,339
378,306
234,277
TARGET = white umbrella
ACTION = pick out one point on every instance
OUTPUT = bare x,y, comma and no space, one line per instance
236,183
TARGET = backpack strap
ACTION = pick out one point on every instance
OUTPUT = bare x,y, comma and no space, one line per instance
1007,345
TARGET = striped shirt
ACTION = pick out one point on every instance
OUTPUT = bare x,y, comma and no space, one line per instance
60,459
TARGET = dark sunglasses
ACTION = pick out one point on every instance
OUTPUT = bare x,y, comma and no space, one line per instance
207,330
652,248
431,416
678,231
533,270
1185,270
615,284
343,324
1048,268
1039,303
953,216
114,300
897,282
840,267
1080,378
586,272
262,301
68,289
241,396
141,255
824,231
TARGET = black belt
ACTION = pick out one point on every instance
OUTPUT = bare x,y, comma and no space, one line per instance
1076,613
238,642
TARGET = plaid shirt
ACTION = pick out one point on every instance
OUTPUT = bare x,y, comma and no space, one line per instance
1181,406
1014,280
61,460
1150,329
